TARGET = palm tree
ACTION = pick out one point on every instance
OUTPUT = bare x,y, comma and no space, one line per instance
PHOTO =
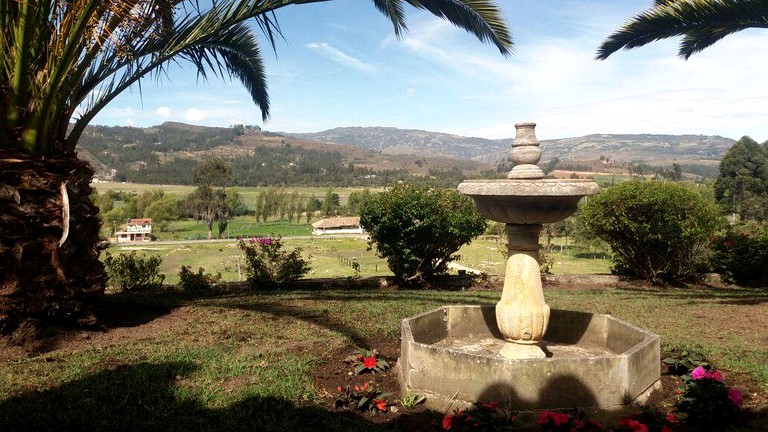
63,61
701,23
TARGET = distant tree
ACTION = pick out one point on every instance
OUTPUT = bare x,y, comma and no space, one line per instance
237,206
162,212
742,186
658,231
331,203
223,210
356,200
417,229
209,198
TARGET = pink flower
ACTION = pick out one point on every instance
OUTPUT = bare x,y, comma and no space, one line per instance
735,396
699,373
716,375
671,418
339,389
369,362
666,428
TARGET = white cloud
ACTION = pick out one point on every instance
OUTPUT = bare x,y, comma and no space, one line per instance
194,115
340,57
163,112
130,122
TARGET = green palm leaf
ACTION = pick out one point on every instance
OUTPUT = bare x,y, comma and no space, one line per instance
78,55
701,23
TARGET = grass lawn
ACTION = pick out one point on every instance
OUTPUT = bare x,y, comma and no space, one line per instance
333,257
245,360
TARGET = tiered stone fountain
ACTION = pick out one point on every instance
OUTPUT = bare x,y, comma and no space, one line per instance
520,354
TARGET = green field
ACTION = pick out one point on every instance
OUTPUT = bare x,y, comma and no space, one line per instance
249,194
332,257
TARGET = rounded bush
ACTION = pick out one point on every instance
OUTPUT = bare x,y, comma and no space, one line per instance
658,231
741,254
417,228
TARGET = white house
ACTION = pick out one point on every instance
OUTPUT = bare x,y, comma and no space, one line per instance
337,225
136,230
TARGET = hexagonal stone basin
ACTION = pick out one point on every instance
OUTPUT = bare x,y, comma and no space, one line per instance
451,355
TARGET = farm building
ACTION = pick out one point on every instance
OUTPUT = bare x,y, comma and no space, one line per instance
136,230
337,225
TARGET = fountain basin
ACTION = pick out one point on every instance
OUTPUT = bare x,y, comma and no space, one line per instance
451,355
522,201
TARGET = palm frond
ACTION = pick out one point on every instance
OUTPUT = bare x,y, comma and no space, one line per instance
700,22
479,17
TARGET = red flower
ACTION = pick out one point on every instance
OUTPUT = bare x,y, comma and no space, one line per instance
666,428
380,404
447,421
490,406
369,362
672,419
555,417
633,425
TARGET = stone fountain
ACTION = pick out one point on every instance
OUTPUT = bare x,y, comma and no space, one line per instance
521,354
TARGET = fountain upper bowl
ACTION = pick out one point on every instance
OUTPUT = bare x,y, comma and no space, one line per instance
527,201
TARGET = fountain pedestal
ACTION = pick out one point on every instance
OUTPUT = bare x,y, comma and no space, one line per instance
462,354
523,203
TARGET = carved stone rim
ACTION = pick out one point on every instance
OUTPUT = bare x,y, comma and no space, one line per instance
529,187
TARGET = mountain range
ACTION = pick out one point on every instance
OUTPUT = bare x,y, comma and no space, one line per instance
166,153
651,149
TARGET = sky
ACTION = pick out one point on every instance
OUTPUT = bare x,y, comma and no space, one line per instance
340,65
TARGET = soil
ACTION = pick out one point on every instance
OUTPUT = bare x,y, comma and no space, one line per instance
122,323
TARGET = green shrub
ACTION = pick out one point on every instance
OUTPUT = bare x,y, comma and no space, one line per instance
741,254
417,229
658,231
130,272
199,281
268,265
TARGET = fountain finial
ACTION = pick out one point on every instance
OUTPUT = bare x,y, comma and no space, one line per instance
525,153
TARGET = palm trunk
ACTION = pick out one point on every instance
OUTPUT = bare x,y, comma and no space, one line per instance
49,249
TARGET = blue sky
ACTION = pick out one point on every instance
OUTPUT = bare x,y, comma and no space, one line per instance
341,65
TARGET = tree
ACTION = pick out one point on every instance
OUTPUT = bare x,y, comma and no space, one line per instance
742,185
658,231
62,62
701,23
162,212
211,201
331,203
417,229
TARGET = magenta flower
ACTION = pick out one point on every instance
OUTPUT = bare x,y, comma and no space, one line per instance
699,373
735,396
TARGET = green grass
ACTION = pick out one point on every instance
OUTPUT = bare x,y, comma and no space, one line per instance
243,226
333,257
328,257
241,361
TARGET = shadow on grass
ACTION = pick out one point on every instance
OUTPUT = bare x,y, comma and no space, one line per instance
732,295
151,397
